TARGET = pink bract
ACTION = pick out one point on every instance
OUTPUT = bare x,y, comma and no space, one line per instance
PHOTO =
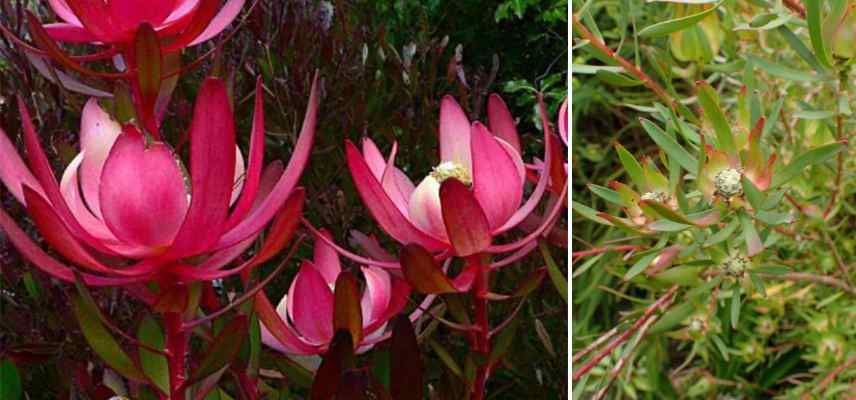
126,211
306,312
116,21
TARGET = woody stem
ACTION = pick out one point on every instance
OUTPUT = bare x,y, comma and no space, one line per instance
176,345
480,340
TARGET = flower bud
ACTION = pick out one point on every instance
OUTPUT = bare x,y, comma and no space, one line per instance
735,265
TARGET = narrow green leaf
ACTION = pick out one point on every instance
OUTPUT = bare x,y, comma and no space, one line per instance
666,212
759,284
787,73
504,341
446,358
799,47
752,193
615,79
559,280
709,101
773,269
100,340
296,373
814,19
10,381
750,235
676,24
631,166
773,117
813,114
735,306
643,262
720,345
224,348
800,163
33,287
672,318
670,146
722,235
588,213
606,194
154,365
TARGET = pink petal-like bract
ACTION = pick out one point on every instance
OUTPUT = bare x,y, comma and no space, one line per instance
310,304
497,183
501,122
143,200
212,163
454,133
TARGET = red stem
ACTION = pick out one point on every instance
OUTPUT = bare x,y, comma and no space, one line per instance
176,344
661,303
144,107
599,250
480,338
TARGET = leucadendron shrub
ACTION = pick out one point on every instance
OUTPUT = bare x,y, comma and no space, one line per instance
712,253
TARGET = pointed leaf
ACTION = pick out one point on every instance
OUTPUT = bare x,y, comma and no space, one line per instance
813,17
154,365
296,373
224,348
666,212
347,314
148,61
422,272
407,368
99,339
338,358
465,220
446,358
800,163
750,235
677,24
631,166
11,387
709,101
670,146
504,341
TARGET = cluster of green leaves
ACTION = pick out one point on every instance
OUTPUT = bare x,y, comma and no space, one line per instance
734,185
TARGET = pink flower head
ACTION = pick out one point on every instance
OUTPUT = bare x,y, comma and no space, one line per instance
305,323
184,22
127,211
437,213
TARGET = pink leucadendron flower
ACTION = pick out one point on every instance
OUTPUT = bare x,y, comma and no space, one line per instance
126,211
305,315
472,195
184,22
